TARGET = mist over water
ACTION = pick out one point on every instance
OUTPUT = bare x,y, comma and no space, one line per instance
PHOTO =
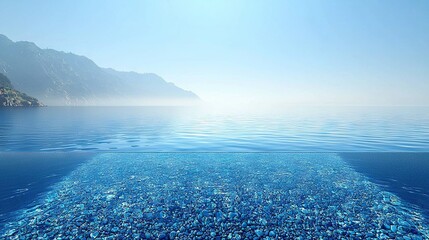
123,102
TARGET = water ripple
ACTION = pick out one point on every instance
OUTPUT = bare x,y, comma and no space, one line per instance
148,129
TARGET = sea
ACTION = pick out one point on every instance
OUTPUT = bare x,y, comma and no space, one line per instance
214,173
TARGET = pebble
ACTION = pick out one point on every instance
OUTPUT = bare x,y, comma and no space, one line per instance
259,233
162,235
258,197
95,234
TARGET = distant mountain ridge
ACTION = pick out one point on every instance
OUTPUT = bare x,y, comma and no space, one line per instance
59,78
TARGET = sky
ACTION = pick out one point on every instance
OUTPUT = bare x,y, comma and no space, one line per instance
333,52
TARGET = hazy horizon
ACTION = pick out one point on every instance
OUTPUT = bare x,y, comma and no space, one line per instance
246,52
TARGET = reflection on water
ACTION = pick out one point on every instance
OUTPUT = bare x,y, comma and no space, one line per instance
195,129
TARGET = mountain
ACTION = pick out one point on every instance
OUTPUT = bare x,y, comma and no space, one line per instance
9,97
59,78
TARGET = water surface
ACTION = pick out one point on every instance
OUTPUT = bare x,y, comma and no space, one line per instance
167,129
175,172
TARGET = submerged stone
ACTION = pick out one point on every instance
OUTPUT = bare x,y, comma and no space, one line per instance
216,196
259,233
95,234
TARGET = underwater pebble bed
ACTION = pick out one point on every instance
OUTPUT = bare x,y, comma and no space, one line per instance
217,196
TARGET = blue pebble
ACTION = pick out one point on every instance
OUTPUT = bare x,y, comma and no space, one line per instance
232,215
162,235
259,233
149,215
95,234
205,213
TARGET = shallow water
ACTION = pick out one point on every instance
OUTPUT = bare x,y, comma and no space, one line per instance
210,195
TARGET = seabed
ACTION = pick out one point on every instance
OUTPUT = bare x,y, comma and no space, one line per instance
216,196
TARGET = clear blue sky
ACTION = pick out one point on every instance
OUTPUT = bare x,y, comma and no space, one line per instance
361,52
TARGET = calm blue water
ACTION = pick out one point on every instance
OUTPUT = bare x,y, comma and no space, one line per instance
191,129
188,173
